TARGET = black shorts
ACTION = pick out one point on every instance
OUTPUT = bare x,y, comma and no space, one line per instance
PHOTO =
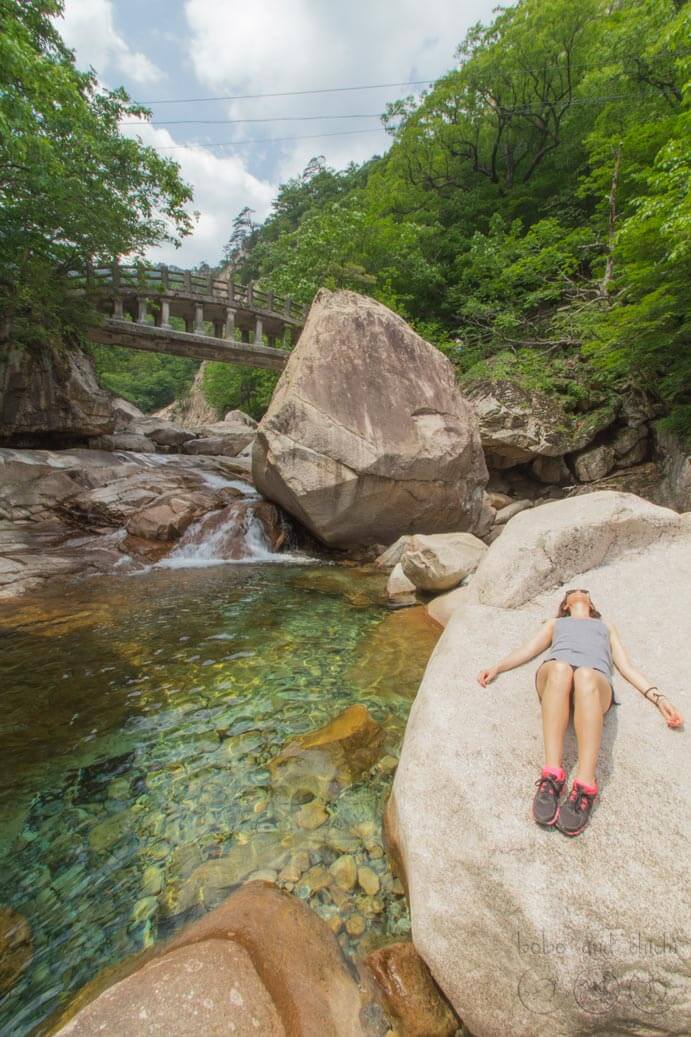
612,701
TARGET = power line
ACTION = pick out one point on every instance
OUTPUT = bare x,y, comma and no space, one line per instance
345,89
287,93
264,140
234,122
522,110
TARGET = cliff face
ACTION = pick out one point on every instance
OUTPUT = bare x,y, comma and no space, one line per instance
193,411
49,396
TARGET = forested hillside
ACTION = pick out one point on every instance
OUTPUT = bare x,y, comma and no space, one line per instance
532,216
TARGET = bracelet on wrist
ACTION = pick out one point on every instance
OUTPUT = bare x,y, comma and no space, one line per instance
655,698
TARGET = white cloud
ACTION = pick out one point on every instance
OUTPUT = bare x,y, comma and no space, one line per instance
275,46
222,187
88,27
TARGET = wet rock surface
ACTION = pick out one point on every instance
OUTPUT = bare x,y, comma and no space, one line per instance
85,511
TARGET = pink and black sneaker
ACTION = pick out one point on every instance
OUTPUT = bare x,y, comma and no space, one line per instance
546,801
575,810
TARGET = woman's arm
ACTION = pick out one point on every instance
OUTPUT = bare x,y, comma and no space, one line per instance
529,650
629,672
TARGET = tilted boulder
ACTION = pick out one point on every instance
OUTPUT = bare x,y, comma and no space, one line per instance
367,435
439,562
133,441
526,931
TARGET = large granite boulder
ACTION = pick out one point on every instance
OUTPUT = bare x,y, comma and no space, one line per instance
545,546
50,396
518,424
367,435
527,931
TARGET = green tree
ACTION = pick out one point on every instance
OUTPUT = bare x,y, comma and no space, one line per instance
151,380
71,187
236,387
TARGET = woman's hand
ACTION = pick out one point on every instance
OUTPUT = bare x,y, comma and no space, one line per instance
485,676
673,717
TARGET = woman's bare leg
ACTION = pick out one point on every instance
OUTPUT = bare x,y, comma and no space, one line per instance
591,699
554,682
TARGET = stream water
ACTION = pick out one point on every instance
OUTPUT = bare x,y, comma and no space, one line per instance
138,716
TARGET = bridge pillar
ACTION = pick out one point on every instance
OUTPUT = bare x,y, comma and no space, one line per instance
258,332
199,318
118,313
142,303
230,323
164,317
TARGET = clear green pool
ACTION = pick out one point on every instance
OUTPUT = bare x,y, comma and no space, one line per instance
137,718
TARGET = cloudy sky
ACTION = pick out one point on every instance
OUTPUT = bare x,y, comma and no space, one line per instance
235,152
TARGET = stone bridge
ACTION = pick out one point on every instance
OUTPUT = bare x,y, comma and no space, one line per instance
217,318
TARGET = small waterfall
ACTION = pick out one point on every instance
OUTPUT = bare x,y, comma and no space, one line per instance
248,530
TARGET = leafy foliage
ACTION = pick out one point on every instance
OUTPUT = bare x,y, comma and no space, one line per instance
532,213
236,387
71,187
150,380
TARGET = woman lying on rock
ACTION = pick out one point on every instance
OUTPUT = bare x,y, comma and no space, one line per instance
583,648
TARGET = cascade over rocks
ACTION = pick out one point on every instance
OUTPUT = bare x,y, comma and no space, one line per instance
83,511
525,930
367,435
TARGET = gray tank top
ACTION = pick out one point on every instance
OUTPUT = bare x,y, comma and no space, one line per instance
583,642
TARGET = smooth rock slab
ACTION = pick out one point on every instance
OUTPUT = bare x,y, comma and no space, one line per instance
543,547
526,931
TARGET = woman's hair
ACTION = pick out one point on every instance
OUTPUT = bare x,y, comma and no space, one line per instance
563,611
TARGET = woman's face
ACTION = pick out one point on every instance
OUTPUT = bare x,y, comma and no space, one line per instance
576,597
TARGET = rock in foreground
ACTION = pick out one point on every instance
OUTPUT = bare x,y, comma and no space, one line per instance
367,435
262,963
526,931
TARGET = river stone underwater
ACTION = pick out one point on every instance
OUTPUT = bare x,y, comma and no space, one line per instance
138,716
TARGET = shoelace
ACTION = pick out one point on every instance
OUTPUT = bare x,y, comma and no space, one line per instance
581,799
549,782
